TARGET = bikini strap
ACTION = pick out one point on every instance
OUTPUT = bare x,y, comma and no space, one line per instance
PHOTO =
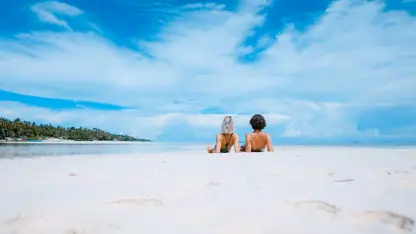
227,141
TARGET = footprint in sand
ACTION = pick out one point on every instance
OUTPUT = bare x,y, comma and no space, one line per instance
318,205
15,219
344,180
139,202
401,171
73,231
15,224
399,221
214,184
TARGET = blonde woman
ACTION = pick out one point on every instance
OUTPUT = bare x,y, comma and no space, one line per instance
226,139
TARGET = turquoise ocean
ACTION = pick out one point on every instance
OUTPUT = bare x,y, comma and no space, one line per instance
8,151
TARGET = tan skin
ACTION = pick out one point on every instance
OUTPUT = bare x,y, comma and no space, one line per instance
258,140
221,141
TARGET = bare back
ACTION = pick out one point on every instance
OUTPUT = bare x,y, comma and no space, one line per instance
257,141
224,143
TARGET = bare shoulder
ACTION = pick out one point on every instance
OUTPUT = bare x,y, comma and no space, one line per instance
248,135
219,136
235,136
267,135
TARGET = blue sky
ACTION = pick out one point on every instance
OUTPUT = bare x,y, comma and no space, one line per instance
319,71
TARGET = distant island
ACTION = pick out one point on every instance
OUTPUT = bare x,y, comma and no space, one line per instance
18,130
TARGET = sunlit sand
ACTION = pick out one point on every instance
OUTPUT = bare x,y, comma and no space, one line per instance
294,190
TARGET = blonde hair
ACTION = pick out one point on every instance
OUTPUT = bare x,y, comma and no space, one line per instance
227,125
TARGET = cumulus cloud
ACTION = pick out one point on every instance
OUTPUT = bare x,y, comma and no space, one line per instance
320,121
133,122
48,11
356,55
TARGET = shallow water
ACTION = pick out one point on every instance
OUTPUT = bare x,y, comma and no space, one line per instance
107,148
82,148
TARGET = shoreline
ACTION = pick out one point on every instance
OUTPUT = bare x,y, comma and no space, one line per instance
194,144
72,142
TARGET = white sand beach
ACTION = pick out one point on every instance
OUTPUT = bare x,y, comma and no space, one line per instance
294,190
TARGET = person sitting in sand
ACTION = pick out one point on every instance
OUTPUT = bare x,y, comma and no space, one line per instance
258,140
226,139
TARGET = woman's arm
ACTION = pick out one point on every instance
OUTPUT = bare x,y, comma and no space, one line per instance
237,143
248,143
218,144
269,143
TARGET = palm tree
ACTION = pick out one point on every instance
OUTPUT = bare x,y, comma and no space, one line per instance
28,130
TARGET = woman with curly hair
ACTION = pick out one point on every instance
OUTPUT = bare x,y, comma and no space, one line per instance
226,139
258,140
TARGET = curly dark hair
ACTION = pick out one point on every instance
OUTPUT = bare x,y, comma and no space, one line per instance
258,122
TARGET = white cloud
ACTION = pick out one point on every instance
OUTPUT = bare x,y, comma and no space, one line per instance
48,11
356,54
133,122
356,50
204,6
326,121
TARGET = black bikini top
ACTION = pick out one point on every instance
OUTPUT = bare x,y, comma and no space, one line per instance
256,150
227,142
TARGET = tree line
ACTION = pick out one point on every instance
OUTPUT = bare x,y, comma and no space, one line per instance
31,131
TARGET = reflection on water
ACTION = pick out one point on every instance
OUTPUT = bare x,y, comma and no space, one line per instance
36,150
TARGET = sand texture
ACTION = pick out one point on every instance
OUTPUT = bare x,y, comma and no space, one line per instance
294,190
